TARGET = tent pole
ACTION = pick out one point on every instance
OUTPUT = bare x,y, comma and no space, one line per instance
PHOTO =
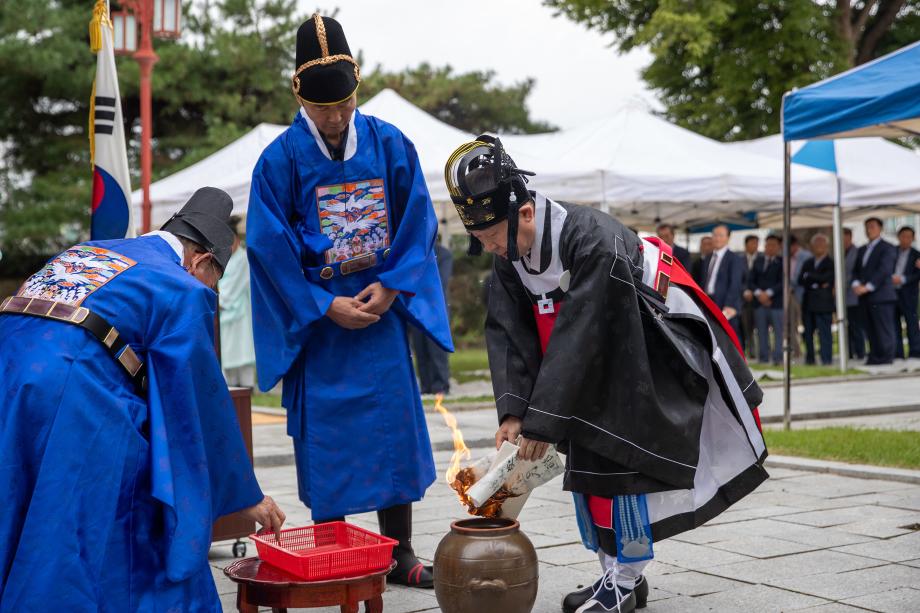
787,283
840,285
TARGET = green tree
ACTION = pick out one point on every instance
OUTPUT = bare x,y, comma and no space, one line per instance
227,73
720,67
470,101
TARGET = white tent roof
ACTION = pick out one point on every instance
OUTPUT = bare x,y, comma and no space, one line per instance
230,168
650,169
872,170
639,165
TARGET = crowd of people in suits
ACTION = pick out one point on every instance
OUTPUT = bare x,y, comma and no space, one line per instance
883,288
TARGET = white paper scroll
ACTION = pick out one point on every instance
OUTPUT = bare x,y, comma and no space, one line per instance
520,477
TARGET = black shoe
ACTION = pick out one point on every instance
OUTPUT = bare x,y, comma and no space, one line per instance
573,600
396,523
641,592
609,598
409,571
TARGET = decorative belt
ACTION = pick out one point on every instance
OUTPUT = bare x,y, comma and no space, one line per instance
324,273
117,347
665,263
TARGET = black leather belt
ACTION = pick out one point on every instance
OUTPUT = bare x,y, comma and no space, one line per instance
117,347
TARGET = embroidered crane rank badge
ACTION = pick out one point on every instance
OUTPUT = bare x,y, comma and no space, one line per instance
354,217
75,274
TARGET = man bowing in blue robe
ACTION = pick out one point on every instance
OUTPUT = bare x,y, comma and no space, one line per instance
341,236
119,445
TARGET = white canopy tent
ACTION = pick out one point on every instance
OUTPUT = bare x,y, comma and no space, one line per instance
633,163
649,169
230,168
872,171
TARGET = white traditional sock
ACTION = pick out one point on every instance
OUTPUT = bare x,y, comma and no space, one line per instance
626,573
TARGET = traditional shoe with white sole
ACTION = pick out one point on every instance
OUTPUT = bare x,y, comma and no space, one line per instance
575,599
609,597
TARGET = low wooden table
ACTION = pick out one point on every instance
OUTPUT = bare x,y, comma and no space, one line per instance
263,585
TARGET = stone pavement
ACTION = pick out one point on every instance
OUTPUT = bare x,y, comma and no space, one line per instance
802,541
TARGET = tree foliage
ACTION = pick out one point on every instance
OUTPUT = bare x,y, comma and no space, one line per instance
720,67
229,71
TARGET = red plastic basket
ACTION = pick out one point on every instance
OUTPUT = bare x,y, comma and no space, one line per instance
326,551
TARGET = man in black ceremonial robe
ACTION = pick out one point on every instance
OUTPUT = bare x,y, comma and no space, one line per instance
601,344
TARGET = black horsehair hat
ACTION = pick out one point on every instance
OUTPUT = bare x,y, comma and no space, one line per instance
325,72
486,188
205,220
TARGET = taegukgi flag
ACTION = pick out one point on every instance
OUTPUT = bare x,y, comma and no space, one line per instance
111,213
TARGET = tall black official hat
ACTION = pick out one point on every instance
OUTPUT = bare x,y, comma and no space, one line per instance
205,219
486,188
325,72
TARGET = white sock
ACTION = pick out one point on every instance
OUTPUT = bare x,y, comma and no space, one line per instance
627,573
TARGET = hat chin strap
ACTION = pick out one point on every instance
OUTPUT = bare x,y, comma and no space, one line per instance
521,195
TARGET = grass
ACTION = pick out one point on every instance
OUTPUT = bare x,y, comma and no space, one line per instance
806,371
845,444
266,400
466,360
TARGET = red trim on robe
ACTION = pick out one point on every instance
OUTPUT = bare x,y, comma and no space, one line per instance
545,323
680,276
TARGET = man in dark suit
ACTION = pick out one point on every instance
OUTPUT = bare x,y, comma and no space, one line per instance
765,291
856,324
698,272
723,274
817,279
751,248
872,283
665,232
906,280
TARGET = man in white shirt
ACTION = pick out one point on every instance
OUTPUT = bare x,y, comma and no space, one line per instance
723,275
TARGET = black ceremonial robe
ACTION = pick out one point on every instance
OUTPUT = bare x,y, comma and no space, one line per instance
645,393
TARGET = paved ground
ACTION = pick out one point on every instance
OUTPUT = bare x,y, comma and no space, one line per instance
803,541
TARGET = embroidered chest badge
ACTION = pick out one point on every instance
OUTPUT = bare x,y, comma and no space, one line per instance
75,274
354,217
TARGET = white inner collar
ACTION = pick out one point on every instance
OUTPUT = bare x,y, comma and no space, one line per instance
172,240
351,140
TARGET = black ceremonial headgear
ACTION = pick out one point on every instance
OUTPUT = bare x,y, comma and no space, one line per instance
325,72
486,188
205,220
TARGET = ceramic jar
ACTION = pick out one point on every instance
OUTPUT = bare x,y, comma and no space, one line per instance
485,566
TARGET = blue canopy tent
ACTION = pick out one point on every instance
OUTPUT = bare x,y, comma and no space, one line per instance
880,98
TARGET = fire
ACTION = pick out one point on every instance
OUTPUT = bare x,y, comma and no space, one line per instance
461,480
461,451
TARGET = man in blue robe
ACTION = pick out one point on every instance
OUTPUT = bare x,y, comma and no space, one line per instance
119,445
341,236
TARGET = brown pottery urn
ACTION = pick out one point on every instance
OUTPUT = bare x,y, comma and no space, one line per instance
485,566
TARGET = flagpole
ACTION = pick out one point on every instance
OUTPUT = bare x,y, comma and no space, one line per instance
145,58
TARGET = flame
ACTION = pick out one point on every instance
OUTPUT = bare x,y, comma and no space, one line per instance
461,451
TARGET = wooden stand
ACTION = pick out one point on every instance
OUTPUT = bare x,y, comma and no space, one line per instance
263,585
235,526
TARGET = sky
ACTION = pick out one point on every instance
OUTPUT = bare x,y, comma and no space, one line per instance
579,77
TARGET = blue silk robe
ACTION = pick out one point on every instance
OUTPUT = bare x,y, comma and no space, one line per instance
354,412
109,498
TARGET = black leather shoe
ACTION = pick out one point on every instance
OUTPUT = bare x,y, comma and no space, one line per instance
575,599
641,591
410,572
